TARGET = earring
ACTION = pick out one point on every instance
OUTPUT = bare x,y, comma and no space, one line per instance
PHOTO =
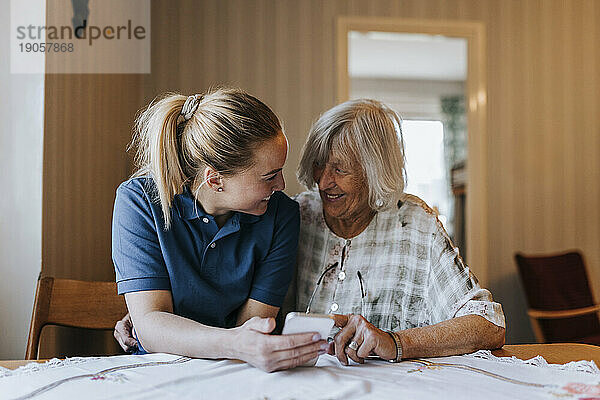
378,202
220,189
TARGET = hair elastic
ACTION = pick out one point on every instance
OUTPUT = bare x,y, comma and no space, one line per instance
190,106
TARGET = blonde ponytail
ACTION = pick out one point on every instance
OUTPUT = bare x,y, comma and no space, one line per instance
222,131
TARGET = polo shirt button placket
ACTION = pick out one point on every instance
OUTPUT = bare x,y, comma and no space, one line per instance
205,220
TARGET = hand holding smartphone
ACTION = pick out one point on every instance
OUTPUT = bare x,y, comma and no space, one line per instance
297,322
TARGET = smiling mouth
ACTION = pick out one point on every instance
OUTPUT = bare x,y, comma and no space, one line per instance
268,197
332,196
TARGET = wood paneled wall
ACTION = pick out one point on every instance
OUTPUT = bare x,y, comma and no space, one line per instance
87,128
543,117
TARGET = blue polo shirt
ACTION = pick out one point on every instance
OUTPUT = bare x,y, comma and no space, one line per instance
210,272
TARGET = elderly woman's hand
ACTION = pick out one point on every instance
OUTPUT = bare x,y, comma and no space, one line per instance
359,333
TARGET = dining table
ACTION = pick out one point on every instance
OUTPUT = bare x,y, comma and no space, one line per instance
553,353
532,371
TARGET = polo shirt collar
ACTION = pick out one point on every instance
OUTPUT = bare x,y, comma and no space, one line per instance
188,209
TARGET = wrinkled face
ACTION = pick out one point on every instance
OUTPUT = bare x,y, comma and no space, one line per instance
343,187
249,191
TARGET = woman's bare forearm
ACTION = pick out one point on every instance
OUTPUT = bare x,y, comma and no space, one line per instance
460,335
254,308
164,332
159,330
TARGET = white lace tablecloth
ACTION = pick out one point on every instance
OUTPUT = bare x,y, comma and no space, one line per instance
162,376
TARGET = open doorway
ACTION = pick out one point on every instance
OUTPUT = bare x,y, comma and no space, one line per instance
432,74
423,78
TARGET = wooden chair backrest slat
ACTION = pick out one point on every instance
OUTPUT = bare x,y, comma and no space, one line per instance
72,303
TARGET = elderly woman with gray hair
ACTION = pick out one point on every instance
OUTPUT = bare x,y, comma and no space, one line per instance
376,257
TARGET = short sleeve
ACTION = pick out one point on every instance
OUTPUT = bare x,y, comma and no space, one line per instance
453,291
136,252
274,273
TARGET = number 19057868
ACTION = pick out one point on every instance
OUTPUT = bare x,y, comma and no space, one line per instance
47,47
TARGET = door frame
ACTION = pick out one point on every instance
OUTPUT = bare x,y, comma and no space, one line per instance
476,224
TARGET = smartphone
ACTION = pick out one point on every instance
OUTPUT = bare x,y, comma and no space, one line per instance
298,322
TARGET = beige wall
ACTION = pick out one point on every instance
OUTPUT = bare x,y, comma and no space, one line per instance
21,137
543,116
87,128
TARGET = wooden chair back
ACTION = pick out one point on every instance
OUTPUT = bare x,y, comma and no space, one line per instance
561,304
72,303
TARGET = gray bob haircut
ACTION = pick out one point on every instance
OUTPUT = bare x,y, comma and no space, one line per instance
368,131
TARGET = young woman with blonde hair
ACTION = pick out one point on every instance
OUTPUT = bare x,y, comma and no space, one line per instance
204,241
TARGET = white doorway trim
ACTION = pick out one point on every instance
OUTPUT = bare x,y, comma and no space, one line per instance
476,83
